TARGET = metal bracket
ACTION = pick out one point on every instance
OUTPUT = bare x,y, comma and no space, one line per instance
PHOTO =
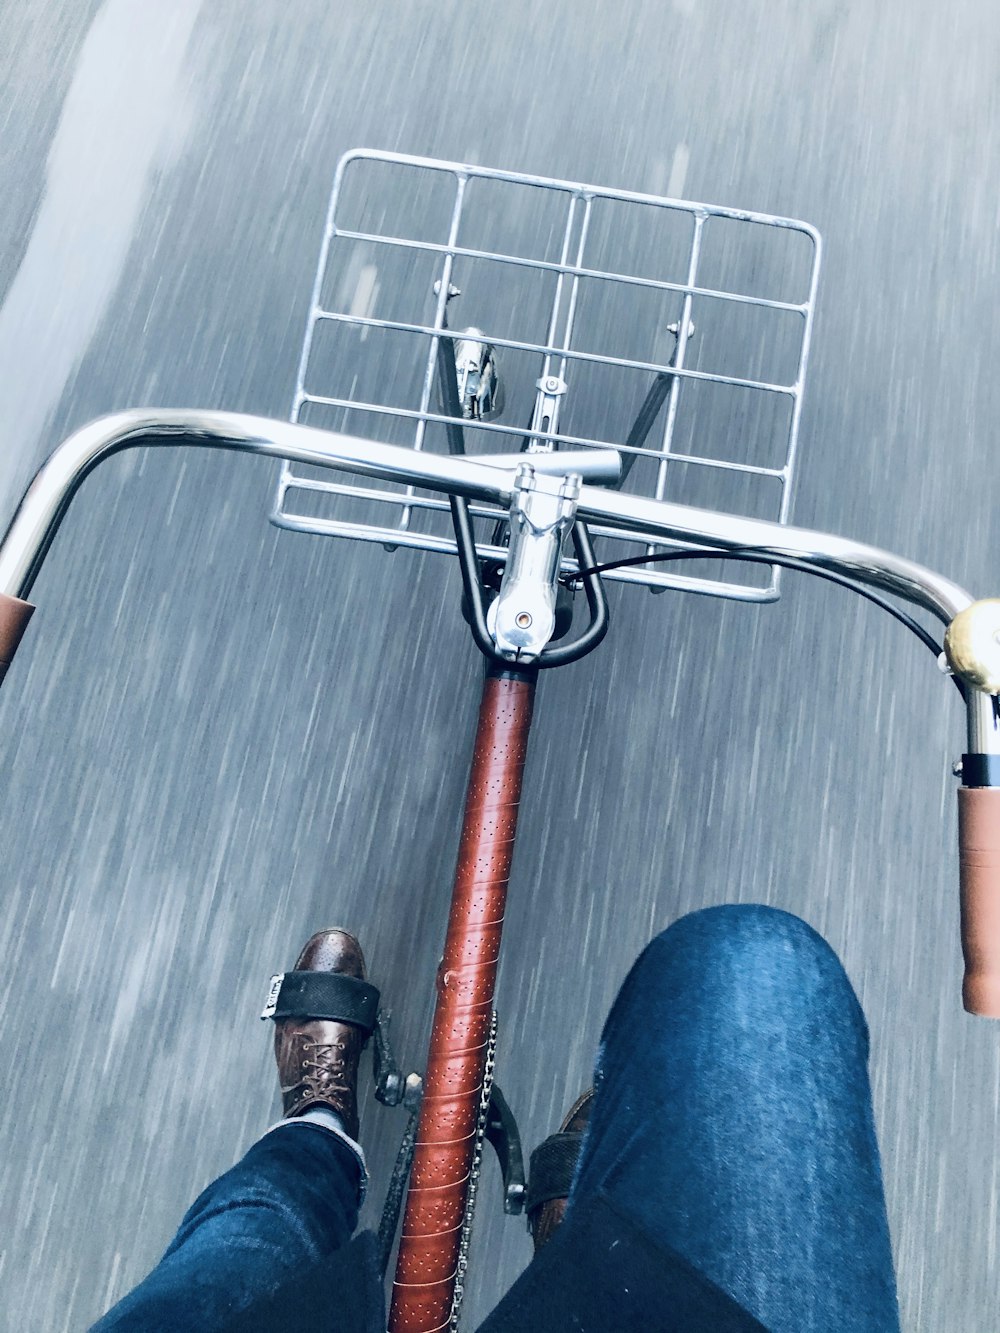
502,1132
545,416
480,388
522,619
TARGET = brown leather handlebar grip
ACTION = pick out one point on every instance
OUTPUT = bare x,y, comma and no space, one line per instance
979,868
14,617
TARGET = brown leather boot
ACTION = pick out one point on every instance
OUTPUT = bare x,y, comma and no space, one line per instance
550,1172
318,1057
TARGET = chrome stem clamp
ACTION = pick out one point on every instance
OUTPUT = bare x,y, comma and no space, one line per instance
522,618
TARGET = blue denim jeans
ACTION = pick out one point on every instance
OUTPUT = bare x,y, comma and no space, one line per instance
732,1121
288,1203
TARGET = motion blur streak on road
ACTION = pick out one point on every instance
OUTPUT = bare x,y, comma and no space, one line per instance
126,115
218,738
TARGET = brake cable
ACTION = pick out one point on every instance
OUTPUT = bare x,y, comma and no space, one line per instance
754,555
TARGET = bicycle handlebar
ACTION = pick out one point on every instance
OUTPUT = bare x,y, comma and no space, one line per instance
37,519
44,504
55,483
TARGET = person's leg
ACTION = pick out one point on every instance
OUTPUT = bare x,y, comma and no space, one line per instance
291,1200
294,1198
733,1120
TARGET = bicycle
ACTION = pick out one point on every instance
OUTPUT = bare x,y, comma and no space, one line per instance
560,486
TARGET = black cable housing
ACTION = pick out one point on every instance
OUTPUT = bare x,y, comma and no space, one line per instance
754,555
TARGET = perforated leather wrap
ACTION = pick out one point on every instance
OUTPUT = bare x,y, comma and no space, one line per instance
432,1223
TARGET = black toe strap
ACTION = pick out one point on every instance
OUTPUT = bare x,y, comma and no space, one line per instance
329,995
550,1172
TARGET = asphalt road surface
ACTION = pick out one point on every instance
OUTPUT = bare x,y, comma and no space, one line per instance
219,737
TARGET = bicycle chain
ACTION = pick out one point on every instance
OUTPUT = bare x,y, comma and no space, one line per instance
477,1157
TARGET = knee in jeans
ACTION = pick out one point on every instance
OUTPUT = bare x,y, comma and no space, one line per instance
740,946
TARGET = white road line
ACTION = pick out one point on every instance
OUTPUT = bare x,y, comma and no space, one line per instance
365,294
127,113
678,171
656,179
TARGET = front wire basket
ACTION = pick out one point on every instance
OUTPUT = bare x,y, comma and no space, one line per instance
714,304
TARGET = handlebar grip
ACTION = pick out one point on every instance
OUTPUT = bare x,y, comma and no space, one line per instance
14,617
979,869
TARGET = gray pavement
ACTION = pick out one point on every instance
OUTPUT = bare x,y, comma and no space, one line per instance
221,737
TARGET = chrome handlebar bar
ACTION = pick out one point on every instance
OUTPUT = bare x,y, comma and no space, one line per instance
492,482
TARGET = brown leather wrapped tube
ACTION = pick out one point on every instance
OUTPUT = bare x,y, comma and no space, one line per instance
456,1062
14,617
979,867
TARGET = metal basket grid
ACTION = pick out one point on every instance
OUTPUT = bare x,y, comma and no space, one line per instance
746,303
